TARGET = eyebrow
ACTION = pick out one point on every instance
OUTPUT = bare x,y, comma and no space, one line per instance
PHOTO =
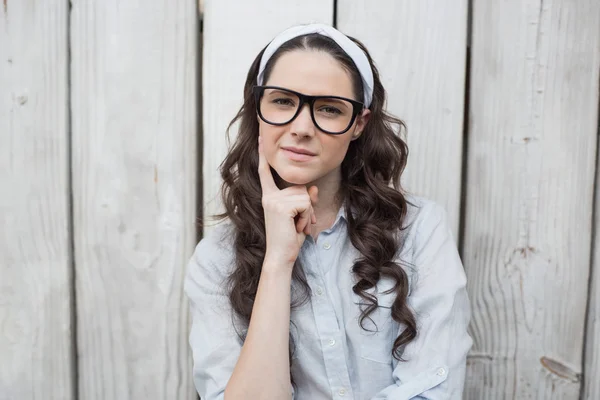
290,91
337,101
274,91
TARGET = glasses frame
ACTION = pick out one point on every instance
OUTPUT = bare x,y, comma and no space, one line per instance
357,106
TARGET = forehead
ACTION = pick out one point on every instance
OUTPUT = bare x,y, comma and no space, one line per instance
311,72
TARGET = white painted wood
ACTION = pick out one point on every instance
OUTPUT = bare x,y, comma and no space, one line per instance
234,33
134,97
419,48
531,159
591,372
35,280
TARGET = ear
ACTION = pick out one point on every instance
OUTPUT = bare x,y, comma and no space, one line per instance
361,122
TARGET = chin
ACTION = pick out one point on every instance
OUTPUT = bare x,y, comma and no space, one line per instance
295,177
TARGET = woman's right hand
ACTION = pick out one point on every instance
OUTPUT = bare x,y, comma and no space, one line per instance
288,215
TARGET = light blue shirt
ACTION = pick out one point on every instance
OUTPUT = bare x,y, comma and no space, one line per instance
335,358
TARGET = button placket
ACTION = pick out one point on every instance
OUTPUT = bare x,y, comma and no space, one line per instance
325,317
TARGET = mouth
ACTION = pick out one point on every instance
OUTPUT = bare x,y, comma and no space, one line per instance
297,156
299,151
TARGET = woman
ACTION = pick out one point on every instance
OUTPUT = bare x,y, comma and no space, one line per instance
355,288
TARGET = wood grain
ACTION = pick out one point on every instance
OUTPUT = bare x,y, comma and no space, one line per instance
531,160
591,372
36,353
134,95
419,48
233,36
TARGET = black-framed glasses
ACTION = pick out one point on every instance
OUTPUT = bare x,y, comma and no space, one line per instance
331,114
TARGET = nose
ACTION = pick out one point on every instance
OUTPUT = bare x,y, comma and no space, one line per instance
303,125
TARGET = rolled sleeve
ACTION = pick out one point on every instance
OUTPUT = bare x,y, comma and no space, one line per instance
436,358
215,344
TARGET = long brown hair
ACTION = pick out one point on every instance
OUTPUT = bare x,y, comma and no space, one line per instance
374,210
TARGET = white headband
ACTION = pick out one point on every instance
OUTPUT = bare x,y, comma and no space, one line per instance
357,55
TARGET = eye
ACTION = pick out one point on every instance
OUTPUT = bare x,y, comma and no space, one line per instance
330,110
282,101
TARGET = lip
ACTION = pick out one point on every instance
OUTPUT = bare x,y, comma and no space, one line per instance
292,155
299,151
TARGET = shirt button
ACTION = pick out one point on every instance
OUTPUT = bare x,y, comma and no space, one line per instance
441,372
342,392
331,342
319,291
326,246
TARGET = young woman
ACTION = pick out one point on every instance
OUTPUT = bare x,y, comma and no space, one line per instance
326,281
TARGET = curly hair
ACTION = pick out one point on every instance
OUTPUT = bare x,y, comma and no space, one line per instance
375,204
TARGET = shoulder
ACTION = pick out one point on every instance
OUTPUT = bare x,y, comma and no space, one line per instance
423,216
217,238
423,213
214,254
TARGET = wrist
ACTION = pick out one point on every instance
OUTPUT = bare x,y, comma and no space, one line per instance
277,267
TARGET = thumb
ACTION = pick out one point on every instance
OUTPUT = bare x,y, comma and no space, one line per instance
313,193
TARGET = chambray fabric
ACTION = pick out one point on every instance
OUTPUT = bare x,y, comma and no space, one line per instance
334,357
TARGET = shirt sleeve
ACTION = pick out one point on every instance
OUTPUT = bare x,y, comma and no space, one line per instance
215,344
436,358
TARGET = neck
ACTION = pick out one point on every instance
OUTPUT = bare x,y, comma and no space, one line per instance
329,202
328,205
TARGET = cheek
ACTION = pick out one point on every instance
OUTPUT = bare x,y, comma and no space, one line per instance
270,135
335,152
262,127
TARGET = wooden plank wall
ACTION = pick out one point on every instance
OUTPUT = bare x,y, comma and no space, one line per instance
94,242
36,331
591,372
531,162
134,112
420,50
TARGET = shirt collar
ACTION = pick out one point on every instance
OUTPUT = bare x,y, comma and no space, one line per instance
342,213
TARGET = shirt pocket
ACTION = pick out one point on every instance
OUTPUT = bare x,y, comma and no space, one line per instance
377,341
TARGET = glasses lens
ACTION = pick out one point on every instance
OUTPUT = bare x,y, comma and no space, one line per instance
278,106
333,115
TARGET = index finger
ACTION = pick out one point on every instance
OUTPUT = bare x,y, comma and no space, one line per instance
264,171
